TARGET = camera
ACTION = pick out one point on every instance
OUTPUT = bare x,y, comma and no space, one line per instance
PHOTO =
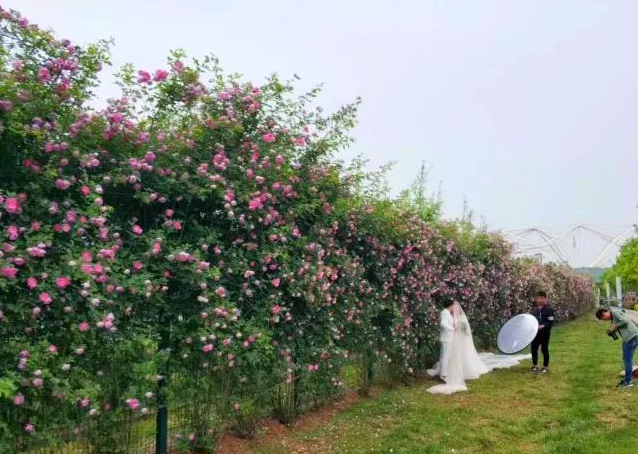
613,335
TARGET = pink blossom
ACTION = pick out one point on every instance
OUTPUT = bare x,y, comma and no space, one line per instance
18,399
36,251
61,184
29,427
133,403
276,281
137,230
221,292
13,232
53,349
255,204
143,77
45,298
32,283
208,348
83,327
178,66
12,205
276,309
160,75
44,75
6,105
63,282
269,137
8,272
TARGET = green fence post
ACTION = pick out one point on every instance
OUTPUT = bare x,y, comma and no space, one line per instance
161,423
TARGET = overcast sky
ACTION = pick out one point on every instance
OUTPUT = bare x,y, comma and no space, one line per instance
529,109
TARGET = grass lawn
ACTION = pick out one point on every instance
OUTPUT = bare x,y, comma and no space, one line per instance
575,409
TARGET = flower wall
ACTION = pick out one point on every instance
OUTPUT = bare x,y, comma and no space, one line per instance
196,239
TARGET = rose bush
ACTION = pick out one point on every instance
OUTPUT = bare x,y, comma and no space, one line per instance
197,233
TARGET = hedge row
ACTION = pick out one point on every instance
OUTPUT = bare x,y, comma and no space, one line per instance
199,235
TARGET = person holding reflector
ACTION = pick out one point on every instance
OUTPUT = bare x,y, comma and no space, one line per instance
544,313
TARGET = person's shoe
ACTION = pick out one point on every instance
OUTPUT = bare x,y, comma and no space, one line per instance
544,370
624,385
534,369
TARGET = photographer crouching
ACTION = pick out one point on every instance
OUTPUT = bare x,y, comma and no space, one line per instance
621,323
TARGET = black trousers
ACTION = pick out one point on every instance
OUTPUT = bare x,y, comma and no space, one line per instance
541,340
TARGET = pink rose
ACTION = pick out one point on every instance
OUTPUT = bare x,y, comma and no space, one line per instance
178,67
137,230
61,184
133,403
63,282
18,399
36,252
44,75
11,205
84,327
269,137
276,309
45,298
208,348
9,272
143,77
160,75
13,232
276,281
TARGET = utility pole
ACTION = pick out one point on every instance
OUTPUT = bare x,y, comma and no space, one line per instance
619,291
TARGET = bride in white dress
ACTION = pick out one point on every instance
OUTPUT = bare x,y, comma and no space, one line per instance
462,360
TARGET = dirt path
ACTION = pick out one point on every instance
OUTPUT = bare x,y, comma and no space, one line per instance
272,432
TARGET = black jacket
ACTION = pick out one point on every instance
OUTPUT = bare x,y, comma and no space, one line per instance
544,315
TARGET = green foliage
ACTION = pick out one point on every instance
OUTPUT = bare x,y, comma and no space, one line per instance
626,267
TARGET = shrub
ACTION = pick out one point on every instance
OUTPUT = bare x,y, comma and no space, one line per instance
199,235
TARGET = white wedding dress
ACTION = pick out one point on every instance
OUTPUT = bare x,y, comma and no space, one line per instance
465,363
